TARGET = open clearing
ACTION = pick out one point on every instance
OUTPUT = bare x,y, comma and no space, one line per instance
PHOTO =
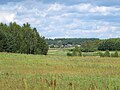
58,72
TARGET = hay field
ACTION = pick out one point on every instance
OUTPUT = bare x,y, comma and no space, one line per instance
58,72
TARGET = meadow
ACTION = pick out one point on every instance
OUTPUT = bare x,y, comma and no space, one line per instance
56,71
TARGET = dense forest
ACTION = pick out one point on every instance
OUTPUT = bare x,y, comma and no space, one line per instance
110,44
72,41
21,39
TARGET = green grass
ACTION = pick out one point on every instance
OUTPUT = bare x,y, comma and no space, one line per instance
63,52
58,72
58,51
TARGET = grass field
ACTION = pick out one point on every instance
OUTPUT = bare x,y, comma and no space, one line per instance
63,52
56,71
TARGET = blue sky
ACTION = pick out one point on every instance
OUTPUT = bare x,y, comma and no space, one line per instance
65,18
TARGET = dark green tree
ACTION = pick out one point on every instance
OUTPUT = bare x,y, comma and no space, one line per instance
110,44
77,51
115,54
21,39
107,53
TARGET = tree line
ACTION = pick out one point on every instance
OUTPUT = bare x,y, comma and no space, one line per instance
90,44
110,44
72,41
21,39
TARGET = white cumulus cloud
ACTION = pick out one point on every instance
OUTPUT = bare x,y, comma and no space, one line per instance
6,16
60,20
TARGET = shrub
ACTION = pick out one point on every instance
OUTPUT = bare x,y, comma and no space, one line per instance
107,53
80,53
101,54
75,52
69,54
115,54
70,49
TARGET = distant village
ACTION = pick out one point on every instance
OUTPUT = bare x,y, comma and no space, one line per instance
62,46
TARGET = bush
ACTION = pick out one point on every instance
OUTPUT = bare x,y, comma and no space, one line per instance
80,53
69,54
115,54
75,52
70,49
107,53
101,54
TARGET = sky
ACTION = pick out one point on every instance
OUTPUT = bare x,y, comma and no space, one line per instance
65,18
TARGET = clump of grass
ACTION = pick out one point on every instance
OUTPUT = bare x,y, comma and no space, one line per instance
25,84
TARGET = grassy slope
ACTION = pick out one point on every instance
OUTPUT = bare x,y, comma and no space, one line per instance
58,72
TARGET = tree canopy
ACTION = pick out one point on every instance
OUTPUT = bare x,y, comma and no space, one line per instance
72,41
21,39
110,44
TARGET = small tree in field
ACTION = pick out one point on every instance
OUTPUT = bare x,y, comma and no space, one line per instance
115,54
76,52
107,53
80,53
69,54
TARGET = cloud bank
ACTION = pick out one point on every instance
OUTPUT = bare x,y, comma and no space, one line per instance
73,18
